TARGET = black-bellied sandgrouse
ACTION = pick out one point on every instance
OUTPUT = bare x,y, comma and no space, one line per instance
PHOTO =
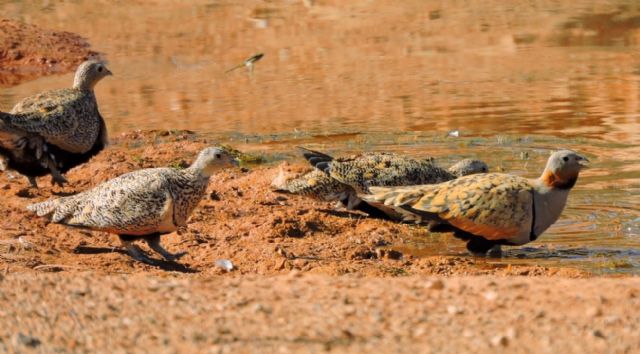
143,204
343,178
489,209
54,131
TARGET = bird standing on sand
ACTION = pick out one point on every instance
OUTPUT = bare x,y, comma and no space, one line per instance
54,131
143,204
489,209
343,178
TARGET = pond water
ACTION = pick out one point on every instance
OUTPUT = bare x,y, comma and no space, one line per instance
515,79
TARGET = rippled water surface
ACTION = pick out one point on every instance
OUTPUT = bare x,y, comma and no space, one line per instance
516,79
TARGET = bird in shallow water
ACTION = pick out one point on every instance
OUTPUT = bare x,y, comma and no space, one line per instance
341,179
490,209
143,204
54,131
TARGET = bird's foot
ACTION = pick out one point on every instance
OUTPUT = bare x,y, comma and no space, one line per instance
479,246
171,257
495,252
58,179
137,254
33,182
154,244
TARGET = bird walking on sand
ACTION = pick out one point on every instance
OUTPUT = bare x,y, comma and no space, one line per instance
489,210
143,204
341,179
54,131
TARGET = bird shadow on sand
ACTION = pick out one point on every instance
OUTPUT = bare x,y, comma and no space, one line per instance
169,266
342,213
63,193
30,193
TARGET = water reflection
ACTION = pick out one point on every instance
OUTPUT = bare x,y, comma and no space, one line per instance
567,69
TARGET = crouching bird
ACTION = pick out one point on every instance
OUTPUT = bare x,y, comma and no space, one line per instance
54,131
341,179
143,204
490,209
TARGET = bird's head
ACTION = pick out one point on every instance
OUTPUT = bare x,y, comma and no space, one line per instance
89,73
468,167
563,168
212,159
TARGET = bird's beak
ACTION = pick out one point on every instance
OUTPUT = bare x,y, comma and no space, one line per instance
109,73
583,162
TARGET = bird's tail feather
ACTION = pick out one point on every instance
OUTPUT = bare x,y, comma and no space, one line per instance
44,208
317,159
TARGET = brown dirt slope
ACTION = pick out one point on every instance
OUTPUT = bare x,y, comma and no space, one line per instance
28,52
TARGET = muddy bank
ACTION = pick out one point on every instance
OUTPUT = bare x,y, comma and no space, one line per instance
306,277
241,219
28,52
313,313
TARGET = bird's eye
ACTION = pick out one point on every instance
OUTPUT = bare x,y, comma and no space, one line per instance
218,156
566,158
99,69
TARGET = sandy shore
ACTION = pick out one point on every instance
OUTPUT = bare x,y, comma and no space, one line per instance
89,312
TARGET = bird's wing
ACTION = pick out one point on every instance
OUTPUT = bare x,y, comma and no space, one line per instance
494,206
383,169
50,114
139,202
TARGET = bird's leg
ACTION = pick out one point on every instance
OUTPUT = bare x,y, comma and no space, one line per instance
134,251
495,252
479,246
32,181
56,176
154,243
38,145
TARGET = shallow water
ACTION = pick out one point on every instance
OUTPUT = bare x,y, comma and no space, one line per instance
516,80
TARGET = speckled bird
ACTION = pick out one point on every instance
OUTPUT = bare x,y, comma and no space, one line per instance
489,210
143,204
54,131
341,179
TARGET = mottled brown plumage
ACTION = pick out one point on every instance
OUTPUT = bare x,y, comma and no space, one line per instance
488,209
340,179
54,131
141,204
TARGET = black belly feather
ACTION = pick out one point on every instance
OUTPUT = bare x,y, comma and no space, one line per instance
27,164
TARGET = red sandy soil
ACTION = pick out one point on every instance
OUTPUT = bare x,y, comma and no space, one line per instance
301,313
28,52
307,278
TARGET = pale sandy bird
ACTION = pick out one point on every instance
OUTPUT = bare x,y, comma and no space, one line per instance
143,204
489,209
54,131
341,179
